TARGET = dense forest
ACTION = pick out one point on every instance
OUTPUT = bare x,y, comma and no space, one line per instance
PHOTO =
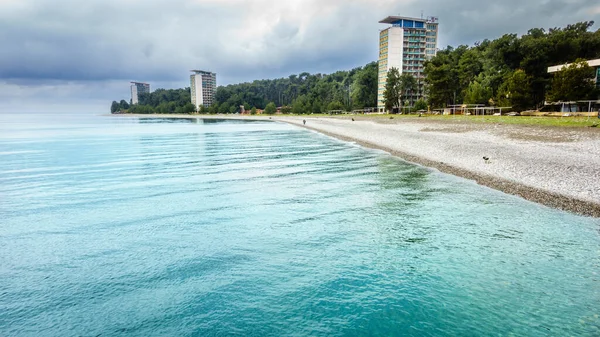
306,93
511,70
164,101
508,71
303,93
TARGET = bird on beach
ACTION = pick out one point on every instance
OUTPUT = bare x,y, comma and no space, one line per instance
353,119
304,121
486,159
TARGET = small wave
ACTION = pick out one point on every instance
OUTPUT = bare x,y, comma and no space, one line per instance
8,153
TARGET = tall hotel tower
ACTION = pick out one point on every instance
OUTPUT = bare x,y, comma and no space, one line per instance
405,45
203,87
138,88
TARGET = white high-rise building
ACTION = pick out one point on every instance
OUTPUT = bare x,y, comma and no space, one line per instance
203,87
405,45
138,88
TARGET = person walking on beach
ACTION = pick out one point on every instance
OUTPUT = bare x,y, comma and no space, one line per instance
304,121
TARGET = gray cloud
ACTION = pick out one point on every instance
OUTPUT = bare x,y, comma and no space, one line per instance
468,21
72,49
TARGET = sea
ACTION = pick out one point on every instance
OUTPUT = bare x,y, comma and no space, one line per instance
114,226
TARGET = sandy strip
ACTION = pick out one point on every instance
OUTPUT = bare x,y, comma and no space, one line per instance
557,167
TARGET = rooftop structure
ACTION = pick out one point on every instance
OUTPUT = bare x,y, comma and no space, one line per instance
406,45
592,63
203,88
138,88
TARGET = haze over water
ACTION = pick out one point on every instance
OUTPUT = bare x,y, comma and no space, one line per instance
114,226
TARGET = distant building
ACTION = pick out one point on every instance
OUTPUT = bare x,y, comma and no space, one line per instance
405,45
203,87
138,88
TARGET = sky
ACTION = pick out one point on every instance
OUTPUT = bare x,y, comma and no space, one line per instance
75,55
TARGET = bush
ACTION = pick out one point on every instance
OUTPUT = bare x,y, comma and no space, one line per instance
270,109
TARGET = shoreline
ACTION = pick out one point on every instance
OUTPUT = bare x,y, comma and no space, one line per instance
565,163
550,199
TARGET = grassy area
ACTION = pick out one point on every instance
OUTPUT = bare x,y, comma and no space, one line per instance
527,120
523,120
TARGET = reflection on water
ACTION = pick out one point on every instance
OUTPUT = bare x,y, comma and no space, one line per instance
189,227
193,120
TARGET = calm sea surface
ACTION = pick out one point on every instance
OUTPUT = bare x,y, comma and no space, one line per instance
119,226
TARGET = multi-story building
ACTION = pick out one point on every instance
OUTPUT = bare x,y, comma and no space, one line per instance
405,45
138,88
203,87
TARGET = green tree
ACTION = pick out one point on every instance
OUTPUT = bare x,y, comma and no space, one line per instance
224,108
335,105
301,105
316,107
270,109
573,82
516,91
407,85
469,66
392,93
364,87
115,107
441,77
141,109
420,105
189,108
214,108
123,105
477,92
253,111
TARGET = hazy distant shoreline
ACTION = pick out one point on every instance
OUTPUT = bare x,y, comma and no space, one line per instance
557,167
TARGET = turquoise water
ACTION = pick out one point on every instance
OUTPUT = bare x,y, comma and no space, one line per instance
119,226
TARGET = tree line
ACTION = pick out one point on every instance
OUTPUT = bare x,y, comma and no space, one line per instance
508,71
162,101
513,71
304,93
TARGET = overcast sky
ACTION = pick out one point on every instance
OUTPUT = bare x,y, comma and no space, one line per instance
74,55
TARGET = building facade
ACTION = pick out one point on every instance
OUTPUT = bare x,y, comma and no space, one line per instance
406,44
138,88
203,87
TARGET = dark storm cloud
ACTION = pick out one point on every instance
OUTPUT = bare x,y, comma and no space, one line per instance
78,45
101,40
160,40
468,21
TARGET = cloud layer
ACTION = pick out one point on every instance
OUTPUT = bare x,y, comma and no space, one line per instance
82,50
